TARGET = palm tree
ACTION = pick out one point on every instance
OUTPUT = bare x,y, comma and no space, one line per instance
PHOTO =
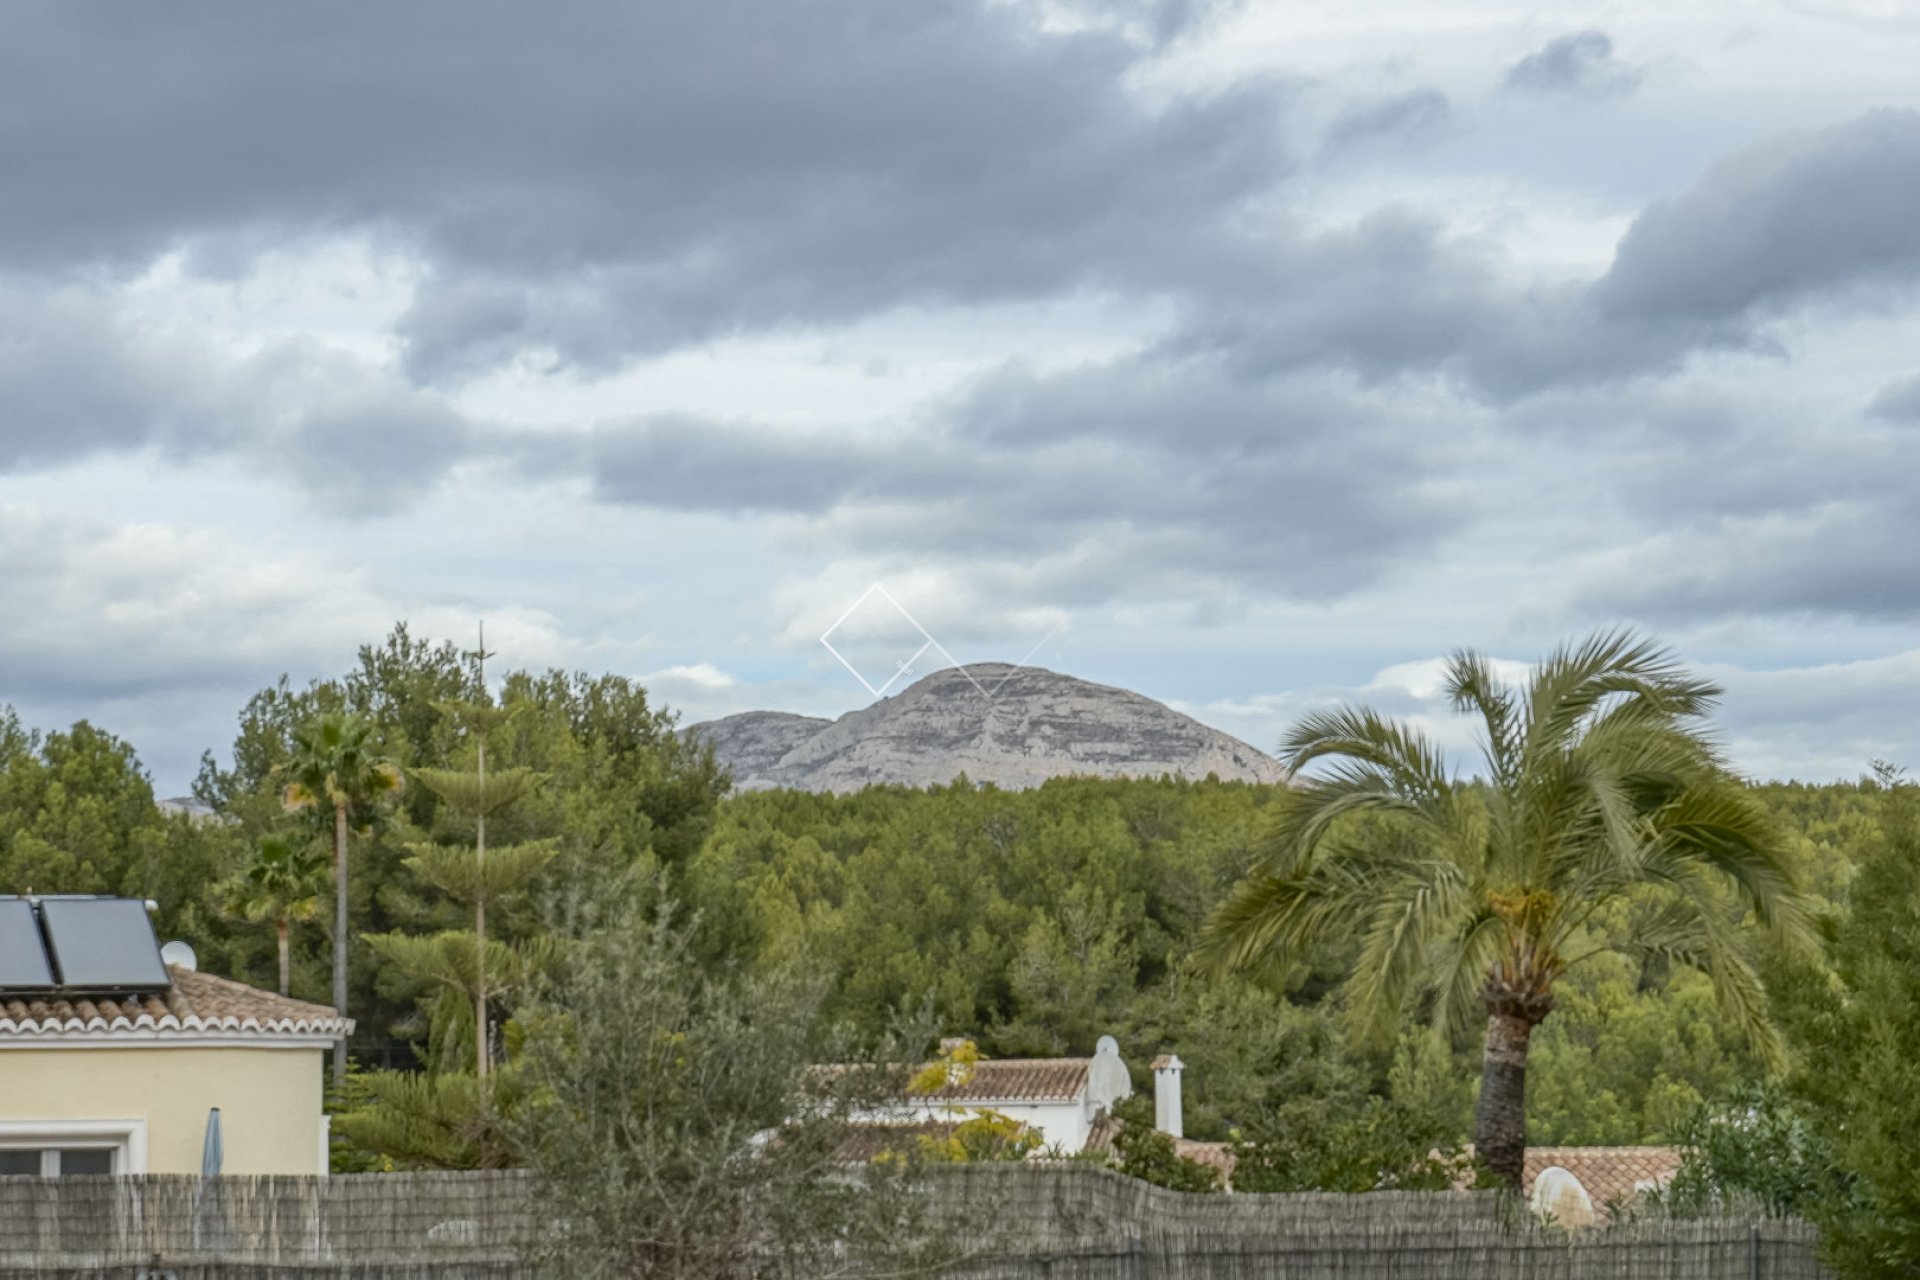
337,766
282,884
1475,897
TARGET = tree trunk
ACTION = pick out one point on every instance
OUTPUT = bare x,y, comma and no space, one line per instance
340,937
280,928
1500,1119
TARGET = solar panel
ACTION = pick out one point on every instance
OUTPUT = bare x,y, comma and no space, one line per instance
23,961
103,944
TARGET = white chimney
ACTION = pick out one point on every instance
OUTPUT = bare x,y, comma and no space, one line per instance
1166,1094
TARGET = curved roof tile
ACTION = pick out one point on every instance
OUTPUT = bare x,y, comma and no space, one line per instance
197,1004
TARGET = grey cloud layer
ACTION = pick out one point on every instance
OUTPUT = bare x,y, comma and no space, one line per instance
1285,485
599,183
607,180
657,176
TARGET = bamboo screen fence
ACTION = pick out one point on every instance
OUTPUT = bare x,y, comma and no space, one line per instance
1061,1223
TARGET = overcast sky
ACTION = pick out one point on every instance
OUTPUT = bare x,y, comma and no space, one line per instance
1251,356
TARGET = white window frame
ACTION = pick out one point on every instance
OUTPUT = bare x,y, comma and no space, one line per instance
127,1139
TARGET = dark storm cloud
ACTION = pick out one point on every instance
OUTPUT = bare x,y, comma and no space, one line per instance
1581,63
603,180
1405,118
1800,216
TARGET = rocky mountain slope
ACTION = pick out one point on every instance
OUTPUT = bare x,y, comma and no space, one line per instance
1011,726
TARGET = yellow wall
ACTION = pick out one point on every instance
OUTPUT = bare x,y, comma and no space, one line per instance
269,1099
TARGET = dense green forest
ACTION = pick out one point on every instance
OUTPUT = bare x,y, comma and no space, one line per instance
1030,921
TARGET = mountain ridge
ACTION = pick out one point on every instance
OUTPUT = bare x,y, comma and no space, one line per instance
1012,726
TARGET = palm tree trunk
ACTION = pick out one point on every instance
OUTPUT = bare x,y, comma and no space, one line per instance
1500,1119
340,937
280,928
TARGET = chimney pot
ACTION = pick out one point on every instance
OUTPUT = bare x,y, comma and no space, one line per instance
1166,1095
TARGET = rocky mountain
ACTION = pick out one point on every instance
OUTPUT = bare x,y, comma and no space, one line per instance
1011,726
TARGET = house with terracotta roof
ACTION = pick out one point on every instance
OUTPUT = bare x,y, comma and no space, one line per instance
1580,1185
1061,1099
114,1061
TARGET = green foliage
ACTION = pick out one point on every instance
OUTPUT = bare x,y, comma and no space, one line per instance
280,884
622,791
282,881
457,873
1857,1028
982,1137
679,1130
1602,793
77,815
415,1120
1372,1144
1142,1151
1627,1060
1755,1148
442,971
1030,921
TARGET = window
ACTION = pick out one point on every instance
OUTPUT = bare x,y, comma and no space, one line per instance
68,1148
54,1162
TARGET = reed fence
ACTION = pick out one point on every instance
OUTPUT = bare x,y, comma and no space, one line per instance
1072,1223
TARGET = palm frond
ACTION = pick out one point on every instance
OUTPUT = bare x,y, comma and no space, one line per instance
1578,680
1368,746
1415,904
1313,809
1271,922
1461,976
1729,831
1471,685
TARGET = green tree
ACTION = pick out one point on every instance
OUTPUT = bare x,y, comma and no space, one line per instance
281,883
480,877
447,966
1755,1148
1857,1080
1601,786
1375,1144
680,1130
337,769
1142,1151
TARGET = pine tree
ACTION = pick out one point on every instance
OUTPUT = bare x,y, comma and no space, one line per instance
475,878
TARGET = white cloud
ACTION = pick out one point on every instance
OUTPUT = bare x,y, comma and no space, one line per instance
701,675
129,617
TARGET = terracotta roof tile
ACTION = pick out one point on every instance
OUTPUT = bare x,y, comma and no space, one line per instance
1610,1174
1020,1080
1216,1154
197,1004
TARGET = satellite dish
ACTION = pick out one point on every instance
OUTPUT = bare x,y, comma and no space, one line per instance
178,955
